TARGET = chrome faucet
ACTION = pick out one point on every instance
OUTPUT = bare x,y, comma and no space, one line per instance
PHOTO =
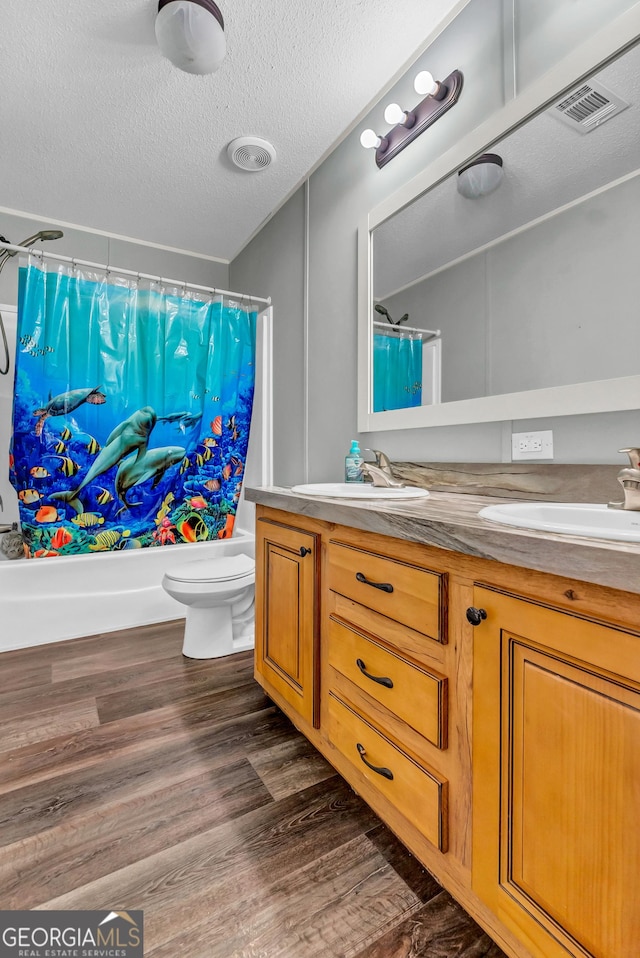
381,473
629,479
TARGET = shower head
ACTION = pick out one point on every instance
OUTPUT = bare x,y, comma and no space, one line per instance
42,237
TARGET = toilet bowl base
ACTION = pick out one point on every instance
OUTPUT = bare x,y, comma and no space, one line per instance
211,637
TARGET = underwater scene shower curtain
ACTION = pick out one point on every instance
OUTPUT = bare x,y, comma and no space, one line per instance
397,371
132,406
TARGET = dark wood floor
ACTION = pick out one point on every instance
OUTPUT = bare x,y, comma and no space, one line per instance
131,778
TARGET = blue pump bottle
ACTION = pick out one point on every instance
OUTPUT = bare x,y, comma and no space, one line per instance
353,463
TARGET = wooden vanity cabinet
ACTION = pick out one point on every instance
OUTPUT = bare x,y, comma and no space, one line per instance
505,756
556,760
287,564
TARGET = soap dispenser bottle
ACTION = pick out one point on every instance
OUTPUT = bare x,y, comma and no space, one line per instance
353,464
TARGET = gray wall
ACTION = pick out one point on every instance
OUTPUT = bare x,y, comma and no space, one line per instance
480,42
103,249
273,265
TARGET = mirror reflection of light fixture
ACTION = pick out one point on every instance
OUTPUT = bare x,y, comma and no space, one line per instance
408,124
190,33
481,176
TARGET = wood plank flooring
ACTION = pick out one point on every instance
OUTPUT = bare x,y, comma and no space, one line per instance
132,778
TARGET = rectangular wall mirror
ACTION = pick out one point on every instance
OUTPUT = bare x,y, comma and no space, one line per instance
524,302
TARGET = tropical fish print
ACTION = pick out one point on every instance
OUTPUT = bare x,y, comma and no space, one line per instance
193,528
103,541
46,514
88,520
29,495
67,466
100,467
61,537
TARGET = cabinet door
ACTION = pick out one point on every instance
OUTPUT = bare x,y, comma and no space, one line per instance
556,851
286,614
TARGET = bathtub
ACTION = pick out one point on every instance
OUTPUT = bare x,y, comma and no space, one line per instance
46,600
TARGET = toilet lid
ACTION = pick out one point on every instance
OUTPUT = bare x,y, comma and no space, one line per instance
214,570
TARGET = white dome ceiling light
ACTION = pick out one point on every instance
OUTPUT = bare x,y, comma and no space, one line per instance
251,153
190,33
481,176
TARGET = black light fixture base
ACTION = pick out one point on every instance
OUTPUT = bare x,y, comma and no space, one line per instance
426,113
209,5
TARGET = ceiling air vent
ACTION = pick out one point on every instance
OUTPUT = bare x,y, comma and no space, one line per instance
251,153
588,106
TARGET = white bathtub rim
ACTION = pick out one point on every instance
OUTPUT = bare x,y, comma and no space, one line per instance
101,601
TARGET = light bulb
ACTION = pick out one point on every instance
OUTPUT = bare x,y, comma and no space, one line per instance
370,140
394,114
425,85
190,33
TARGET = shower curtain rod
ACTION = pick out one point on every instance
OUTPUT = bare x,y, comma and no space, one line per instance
132,272
424,333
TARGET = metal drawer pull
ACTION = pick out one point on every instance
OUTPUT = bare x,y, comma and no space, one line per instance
383,586
381,680
304,551
385,772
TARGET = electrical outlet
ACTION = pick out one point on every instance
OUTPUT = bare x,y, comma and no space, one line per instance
532,445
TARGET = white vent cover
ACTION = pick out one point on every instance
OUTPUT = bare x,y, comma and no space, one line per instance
588,106
251,153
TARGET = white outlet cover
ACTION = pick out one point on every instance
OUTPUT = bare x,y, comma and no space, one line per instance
532,445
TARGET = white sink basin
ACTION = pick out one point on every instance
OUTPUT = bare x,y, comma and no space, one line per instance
577,519
358,490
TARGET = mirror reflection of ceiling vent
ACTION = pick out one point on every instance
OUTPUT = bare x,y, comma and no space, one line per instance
588,106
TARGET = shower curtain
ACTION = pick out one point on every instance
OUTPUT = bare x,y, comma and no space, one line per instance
397,370
132,406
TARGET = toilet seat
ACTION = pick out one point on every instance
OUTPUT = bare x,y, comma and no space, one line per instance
224,569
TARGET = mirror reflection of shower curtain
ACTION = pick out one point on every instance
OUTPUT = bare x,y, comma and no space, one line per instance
397,370
132,406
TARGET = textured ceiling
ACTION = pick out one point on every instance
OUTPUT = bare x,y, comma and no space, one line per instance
99,130
546,165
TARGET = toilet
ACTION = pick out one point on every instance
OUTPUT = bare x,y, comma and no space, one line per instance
220,599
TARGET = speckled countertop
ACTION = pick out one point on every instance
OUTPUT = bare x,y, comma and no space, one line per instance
451,521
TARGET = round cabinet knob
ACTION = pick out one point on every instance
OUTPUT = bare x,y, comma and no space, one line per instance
304,551
475,616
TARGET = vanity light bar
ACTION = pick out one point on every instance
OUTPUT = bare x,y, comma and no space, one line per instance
444,94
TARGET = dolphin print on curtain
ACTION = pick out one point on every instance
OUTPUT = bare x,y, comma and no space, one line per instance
132,406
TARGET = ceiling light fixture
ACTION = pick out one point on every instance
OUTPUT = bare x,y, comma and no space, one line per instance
190,33
408,124
481,176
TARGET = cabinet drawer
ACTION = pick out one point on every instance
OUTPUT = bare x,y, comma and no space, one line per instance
411,595
416,695
415,791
